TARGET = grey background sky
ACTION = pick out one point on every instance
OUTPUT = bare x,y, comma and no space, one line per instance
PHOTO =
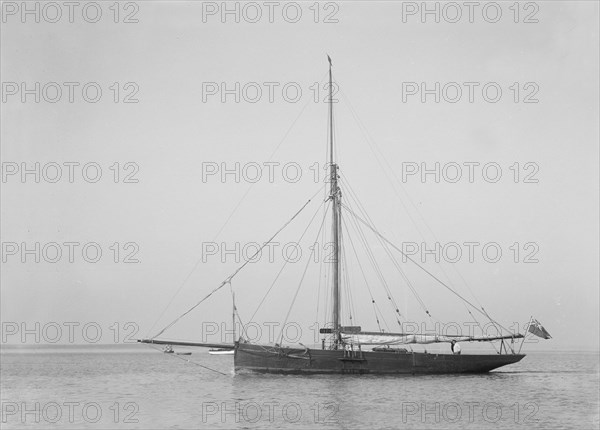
170,212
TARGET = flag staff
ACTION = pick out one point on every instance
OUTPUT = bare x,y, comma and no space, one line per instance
525,335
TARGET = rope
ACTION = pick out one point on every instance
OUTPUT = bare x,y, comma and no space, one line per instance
364,277
285,263
419,266
300,284
375,150
385,246
228,279
480,327
190,361
231,214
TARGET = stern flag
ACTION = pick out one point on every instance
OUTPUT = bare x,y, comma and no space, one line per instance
329,58
536,328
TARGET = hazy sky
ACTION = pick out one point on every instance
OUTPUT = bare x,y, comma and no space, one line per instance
176,59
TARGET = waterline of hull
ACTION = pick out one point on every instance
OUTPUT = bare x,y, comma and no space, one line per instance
268,359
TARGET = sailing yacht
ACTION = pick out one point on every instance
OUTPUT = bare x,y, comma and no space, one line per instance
349,349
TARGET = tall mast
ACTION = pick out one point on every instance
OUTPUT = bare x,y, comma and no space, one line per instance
335,195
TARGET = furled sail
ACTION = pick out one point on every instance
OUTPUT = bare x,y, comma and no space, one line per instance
375,338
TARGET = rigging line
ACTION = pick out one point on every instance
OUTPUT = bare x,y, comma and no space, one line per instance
441,267
437,279
348,290
385,246
239,203
492,321
319,285
362,272
236,313
349,302
354,196
327,293
391,298
242,325
344,300
386,288
369,139
418,265
320,257
287,260
369,253
228,279
479,324
346,274
373,262
462,278
299,285
190,361
375,266
396,264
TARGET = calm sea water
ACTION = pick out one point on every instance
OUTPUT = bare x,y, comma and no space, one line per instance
143,388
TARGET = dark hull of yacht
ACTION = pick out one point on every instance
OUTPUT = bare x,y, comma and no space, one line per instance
269,359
